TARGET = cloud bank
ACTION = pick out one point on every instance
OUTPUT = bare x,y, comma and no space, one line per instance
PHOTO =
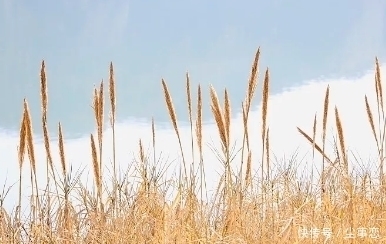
294,107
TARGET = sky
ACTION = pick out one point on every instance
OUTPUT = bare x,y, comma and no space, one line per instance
146,41
306,46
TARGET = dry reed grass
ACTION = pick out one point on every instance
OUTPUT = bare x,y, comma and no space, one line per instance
243,211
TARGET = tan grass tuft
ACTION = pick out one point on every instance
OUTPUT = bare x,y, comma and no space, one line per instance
227,117
246,105
265,104
199,120
43,84
371,121
379,85
29,137
100,124
325,115
199,139
112,92
44,100
95,164
113,114
252,84
264,116
22,139
61,151
218,116
173,117
316,145
341,139
188,95
21,154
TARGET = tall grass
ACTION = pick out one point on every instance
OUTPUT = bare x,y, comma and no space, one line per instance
272,208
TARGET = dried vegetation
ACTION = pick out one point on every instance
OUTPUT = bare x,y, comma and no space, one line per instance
271,209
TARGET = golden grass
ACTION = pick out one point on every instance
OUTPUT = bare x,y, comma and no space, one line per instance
271,209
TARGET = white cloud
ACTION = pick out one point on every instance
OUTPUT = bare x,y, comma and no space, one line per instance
292,108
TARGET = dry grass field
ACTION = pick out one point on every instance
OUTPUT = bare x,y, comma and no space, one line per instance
268,209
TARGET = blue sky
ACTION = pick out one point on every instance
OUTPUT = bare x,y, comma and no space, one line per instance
148,40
